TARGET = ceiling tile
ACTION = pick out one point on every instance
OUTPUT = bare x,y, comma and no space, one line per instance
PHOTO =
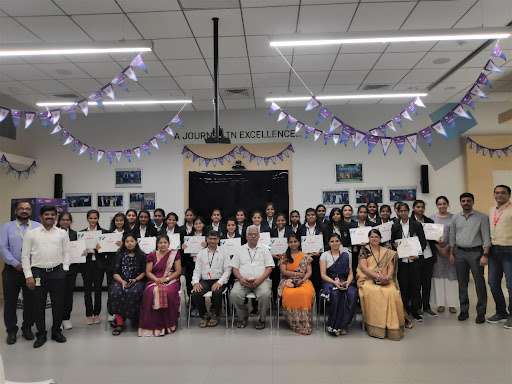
313,62
259,46
158,83
133,95
310,78
12,32
30,99
233,46
347,77
129,56
239,104
166,94
453,59
4,77
352,62
271,80
385,76
465,74
193,67
94,58
109,27
155,69
423,75
62,71
269,3
263,92
450,46
54,29
29,8
399,60
405,86
14,88
301,90
148,108
363,101
230,66
445,13
200,94
331,89
12,60
230,22
363,48
88,7
203,105
149,5
278,20
51,59
269,64
381,17
108,69
194,82
490,15
133,86
47,86
325,18
235,81
177,49
413,46
451,86
23,72
160,25
83,85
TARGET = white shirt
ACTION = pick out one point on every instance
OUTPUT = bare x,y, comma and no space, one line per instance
251,262
310,231
142,232
45,249
405,234
270,222
294,229
240,229
171,232
158,228
228,236
188,229
215,228
212,266
280,233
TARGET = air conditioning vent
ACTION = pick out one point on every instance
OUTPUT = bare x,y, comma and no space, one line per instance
67,95
236,94
373,87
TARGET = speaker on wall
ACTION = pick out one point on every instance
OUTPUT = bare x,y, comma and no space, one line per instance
57,186
424,179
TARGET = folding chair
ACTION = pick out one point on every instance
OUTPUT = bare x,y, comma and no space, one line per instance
314,309
209,294
251,296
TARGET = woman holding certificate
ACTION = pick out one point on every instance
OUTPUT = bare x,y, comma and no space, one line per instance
171,226
379,293
281,231
337,276
294,221
144,226
409,270
295,289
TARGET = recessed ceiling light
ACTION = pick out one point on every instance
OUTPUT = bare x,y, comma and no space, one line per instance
349,96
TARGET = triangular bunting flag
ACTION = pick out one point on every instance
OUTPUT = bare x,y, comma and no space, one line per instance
16,115
391,125
119,80
322,115
92,152
400,142
291,120
136,150
84,148
274,107
491,152
497,52
498,153
491,67
482,79
398,119
69,140
273,159
477,91
426,133
137,62
298,126
76,144
258,160
207,162
438,127
372,142
317,134
467,100
130,73
84,106
55,116
96,97
145,147
281,116
412,108
43,116
154,142
71,111
56,129
100,155
4,112
161,136
201,159
335,138
29,118
176,120
413,140
312,104
419,102
214,162
308,131
169,130
405,115
449,119
110,156
374,132
109,91
221,160
459,111
266,161
290,148
280,156
485,151
386,143
358,138
128,154
335,124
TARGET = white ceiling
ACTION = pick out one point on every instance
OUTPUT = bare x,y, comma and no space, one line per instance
182,62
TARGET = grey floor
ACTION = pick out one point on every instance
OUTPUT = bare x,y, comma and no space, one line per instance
440,350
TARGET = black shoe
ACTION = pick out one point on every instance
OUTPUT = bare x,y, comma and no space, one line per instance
40,341
27,334
58,337
480,319
417,316
11,338
463,316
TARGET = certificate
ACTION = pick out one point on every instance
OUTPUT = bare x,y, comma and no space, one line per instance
359,235
433,231
77,251
107,242
278,245
385,231
90,238
311,244
409,246
231,246
264,239
193,243
175,241
147,244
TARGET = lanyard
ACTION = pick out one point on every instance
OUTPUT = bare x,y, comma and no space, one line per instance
376,260
309,230
213,257
333,261
252,256
496,220
30,224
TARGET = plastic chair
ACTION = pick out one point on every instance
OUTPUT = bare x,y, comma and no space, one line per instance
251,296
314,309
3,381
209,294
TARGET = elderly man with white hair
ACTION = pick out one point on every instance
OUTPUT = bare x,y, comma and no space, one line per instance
252,267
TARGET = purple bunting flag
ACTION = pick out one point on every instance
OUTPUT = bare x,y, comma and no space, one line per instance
83,148
84,106
291,120
346,133
497,52
312,104
482,79
185,149
76,144
119,81
449,119
227,158
176,120
285,152
130,73
266,160
110,156
372,142
109,91
459,111
43,116
245,154
55,116
358,138
412,108
477,91
335,138
308,131
29,118
273,159
491,67
298,126
16,116
478,148
282,116
391,125
232,154
335,124
64,134
274,107
207,162
400,142
251,158
382,130
221,160
374,132
317,134
137,62
169,130
386,143
398,119
69,140
327,137
96,97
201,159
136,150
413,140
214,162
419,102
290,148
467,100
439,128
258,160
491,152
505,151
485,151
498,153
100,155
426,133
322,115
71,111
145,147
56,129
154,142
4,112
92,152
161,136
128,154
405,114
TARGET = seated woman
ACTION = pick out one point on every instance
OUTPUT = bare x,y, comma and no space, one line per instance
125,292
295,289
379,294
161,298
337,276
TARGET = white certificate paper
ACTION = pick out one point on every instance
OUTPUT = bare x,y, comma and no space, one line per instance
231,246
278,245
175,241
385,231
359,235
311,244
194,243
107,242
90,238
264,239
433,231
76,250
409,247
147,244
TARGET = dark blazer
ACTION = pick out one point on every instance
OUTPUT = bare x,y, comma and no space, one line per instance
222,228
72,235
377,219
287,232
289,226
163,231
263,227
319,230
432,243
264,221
415,229
183,232
140,261
150,232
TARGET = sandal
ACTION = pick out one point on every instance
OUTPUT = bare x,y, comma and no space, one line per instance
204,322
343,332
117,331
260,325
242,324
214,321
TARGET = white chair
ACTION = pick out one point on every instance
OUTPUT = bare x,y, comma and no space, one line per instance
314,309
3,381
252,296
209,294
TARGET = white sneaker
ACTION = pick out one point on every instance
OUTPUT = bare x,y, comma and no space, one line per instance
66,324
111,318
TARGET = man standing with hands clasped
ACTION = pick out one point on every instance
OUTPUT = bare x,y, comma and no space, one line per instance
469,250
500,262
45,260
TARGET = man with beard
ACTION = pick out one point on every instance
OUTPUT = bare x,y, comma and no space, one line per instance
11,240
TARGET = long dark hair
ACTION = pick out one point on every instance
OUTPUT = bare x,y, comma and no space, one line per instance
113,222
289,258
245,215
62,214
94,211
331,223
123,248
280,214
150,226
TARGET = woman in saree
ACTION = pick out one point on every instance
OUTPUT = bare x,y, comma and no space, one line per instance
338,286
381,302
125,292
295,288
161,299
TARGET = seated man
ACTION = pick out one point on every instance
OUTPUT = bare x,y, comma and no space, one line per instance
252,267
211,272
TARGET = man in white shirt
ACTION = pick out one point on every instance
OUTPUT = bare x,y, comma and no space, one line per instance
212,271
45,260
252,267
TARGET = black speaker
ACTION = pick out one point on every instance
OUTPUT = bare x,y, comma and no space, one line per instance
57,186
424,179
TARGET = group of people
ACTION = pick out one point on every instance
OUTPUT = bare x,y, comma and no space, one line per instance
391,291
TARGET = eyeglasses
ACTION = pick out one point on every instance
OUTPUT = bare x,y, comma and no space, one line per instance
252,234
501,193
24,209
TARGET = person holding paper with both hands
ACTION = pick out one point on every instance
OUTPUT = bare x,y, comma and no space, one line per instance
281,231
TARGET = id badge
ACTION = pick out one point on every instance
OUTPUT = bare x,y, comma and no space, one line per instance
38,281
93,257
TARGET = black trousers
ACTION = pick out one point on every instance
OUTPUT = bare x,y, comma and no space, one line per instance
409,279
200,302
426,281
92,273
12,281
53,282
69,290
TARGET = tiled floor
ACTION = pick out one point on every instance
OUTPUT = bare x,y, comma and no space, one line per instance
439,350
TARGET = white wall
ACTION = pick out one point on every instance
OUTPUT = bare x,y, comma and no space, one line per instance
313,162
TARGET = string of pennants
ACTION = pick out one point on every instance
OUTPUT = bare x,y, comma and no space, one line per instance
238,150
372,137
17,172
52,116
486,150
